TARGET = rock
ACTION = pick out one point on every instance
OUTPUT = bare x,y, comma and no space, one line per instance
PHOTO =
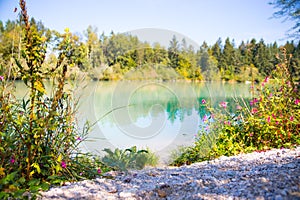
161,193
266,175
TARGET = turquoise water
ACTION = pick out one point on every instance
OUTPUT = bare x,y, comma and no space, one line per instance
158,115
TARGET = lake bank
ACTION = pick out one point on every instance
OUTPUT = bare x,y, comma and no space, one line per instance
274,174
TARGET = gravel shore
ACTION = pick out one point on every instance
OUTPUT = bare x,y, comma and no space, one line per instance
274,174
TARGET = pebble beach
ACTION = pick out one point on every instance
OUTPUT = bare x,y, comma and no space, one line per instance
274,174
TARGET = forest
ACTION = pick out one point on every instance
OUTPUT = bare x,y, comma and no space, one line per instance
123,56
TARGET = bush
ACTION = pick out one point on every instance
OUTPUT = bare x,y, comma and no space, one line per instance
270,120
39,137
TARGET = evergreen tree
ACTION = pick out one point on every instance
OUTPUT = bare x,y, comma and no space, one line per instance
173,52
289,10
261,58
228,60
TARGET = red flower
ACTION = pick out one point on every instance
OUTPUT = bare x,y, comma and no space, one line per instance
203,101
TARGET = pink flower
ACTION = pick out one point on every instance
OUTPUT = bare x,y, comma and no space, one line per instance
207,128
63,164
266,79
238,107
204,119
203,101
269,119
251,134
78,138
297,101
99,171
254,110
1,78
254,101
291,118
223,104
227,123
12,160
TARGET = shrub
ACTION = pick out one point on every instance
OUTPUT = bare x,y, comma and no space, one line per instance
271,119
39,137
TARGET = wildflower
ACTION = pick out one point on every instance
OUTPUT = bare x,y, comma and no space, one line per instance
204,119
254,110
238,107
227,123
269,119
12,160
2,173
254,101
78,138
203,101
99,171
251,134
63,164
223,104
291,118
297,101
1,78
266,79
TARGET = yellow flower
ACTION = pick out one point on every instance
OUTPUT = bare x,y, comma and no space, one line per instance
2,171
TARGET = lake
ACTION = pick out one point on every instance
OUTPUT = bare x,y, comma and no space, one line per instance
158,115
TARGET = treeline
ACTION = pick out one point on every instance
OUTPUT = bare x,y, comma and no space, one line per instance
119,56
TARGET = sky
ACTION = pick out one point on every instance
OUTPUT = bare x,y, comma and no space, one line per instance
158,20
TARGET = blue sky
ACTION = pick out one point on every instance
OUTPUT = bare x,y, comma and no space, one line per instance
198,20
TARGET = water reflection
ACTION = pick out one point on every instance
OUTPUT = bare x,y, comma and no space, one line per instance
158,115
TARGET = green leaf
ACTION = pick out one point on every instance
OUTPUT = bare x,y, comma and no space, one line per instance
37,167
45,186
